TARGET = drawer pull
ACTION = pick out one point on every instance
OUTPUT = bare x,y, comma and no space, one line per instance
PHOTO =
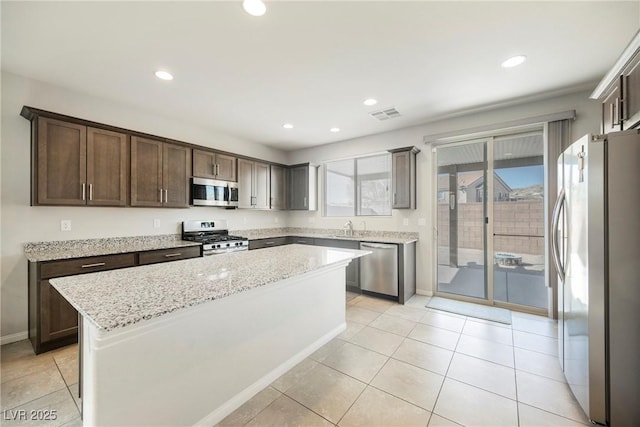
97,264
172,255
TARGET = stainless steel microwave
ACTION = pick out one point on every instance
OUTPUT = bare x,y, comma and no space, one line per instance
211,192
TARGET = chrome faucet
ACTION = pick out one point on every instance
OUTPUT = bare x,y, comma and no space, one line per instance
348,228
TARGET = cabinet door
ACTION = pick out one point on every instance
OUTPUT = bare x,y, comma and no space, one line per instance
176,170
62,163
204,164
611,109
631,97
245,183
299,188
226,167
58,318
261,174
146,172
401,180
278,187
107,168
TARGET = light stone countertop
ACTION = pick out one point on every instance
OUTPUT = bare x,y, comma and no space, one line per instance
397,237
118,298
67,249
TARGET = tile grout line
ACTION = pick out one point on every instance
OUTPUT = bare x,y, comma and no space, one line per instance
515,375
435,402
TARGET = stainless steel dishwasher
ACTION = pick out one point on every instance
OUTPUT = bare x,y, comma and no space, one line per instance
379,270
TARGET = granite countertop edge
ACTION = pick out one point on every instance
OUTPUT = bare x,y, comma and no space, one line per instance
70,249
321,234
160,289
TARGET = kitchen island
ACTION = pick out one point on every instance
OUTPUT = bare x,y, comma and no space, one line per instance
188,342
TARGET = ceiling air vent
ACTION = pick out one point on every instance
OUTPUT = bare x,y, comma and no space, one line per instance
385,114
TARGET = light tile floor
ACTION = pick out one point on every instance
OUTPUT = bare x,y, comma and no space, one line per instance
393,366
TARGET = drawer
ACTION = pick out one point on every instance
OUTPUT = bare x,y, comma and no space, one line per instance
172,254
302,240
267,243
86,265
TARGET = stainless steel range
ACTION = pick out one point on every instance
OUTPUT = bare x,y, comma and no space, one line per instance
214,236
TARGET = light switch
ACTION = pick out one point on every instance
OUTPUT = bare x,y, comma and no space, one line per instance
156,223
405,221
65,225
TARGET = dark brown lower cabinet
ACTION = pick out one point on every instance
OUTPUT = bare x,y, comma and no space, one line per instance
53,322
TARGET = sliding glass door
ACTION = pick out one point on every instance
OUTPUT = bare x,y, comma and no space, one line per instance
460,215
506,268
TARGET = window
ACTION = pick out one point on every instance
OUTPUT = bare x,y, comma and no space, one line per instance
359,186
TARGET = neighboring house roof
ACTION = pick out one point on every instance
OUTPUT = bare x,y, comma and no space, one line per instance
469,179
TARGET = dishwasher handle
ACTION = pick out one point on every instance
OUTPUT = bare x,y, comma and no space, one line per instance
377,245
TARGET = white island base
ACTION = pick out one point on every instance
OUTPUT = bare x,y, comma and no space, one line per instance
197,365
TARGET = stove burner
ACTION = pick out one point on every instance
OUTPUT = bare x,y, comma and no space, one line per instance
214,236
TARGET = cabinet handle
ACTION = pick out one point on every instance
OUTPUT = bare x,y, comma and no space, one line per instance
84,188
217,169
625,98
97,264
90,191
304,202
172,255
166,195
617,112
213,169
161,196
394,199
270,243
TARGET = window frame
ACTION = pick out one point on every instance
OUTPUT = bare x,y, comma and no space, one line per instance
357,193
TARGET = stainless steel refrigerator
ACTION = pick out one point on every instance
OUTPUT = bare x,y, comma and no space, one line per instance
596,250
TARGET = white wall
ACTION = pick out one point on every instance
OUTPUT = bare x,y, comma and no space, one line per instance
22,223
587,121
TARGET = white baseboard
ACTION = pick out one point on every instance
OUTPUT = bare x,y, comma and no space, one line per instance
8,339
423,292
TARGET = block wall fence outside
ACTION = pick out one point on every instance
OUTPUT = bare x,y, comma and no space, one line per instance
524,218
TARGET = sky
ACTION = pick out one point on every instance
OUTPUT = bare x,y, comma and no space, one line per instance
522,176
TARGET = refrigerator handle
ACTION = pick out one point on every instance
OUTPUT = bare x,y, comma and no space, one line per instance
555,225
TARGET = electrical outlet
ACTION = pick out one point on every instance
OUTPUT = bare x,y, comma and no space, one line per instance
405,221
312,219
65,225
275,219
244,219
156,223
422,221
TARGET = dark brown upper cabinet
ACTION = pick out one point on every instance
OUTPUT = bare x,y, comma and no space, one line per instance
303,187
253,183
619,91
278,186
79,165
403,177
209,164
160,173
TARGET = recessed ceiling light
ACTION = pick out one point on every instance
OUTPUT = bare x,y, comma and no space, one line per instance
369,102
514,61
164,75
334,130
254,7
287,126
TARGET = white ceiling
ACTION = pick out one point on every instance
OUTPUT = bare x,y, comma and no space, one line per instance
313,63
